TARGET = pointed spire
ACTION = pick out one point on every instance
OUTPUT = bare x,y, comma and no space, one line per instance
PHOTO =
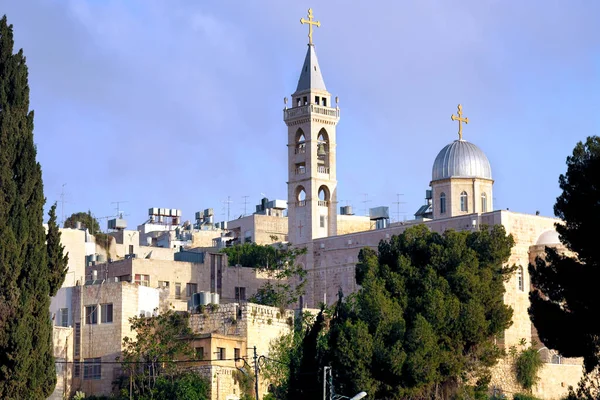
310,77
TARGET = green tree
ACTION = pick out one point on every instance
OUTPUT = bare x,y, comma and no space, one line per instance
424,321
150,359
87,221
57,260
564,307
27,277
285,282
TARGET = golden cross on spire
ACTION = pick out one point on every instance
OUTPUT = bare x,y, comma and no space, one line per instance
310,23
459,119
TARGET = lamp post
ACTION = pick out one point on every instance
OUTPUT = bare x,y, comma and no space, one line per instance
356,396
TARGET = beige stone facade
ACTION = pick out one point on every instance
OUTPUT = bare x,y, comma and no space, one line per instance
260,229
101,315
254,324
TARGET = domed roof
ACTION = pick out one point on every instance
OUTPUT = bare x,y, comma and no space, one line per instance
548,238
461,159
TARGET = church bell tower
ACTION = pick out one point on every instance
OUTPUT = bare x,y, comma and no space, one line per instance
311,122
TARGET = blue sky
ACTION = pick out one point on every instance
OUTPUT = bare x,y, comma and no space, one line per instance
179,103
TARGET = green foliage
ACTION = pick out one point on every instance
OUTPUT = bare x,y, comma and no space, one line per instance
286,353
565,308
184,386
87,220
424,320
245,380
286,278
523,396
159,341
27,276
57,260
527,365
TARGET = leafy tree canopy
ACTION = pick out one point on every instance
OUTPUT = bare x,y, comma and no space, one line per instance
86,219
285,282
150,359
426,315
565,307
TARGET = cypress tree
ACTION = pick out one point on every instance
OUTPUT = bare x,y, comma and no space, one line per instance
26,353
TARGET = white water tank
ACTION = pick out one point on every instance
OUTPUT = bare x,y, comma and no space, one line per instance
214,298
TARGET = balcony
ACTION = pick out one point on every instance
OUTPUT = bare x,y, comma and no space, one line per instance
323,203
301,203
300,171
296,112
323,170
300,149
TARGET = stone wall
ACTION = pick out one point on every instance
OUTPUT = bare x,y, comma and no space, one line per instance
553,384
258,324
353,223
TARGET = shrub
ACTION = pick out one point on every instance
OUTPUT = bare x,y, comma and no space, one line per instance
527,365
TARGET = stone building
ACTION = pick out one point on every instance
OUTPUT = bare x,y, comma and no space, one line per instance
460,198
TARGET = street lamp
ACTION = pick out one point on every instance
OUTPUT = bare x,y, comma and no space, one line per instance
356,397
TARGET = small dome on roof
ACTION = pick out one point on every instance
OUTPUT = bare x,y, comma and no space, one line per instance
548,238
461,159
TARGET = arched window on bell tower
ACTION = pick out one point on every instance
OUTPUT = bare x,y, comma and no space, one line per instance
443,203
464,202
323,152
300,142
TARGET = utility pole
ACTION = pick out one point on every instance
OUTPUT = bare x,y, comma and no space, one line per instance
245,203
255,373
365,201
397,203
228,202
62,205
325,370
118,203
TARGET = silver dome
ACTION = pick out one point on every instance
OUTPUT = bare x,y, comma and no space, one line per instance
461,159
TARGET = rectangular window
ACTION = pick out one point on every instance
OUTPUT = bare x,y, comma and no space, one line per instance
91,315
76,368
324,99
317,100
130,249
77,348
191,289
442,203
305,100
322,221
92,368
199,353
177,290
221,353
106,313
236,353
64,317
300,168
143,280
240,294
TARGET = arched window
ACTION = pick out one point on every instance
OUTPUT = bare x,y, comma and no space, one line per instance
301,196
464,206
483,202
443,203
520,279
300,142
323,196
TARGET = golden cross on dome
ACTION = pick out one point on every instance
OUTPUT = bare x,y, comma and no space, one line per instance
460,119
310,23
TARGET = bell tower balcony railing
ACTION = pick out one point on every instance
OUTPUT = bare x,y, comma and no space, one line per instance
323,170
295,112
